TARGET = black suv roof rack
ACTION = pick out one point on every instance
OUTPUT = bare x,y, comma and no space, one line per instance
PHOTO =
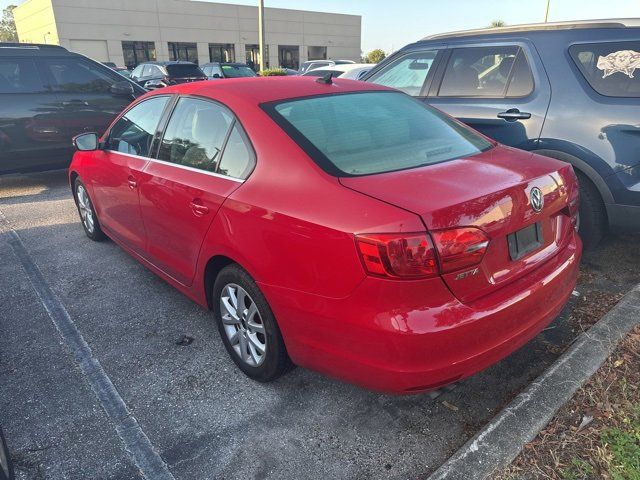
606,23
33,46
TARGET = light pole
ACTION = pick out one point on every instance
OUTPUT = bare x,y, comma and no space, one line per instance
546,12
261,34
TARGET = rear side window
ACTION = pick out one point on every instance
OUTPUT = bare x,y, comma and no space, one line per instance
495,72
374,132
133,132
19,75
74,75
195,134
407,73
609,67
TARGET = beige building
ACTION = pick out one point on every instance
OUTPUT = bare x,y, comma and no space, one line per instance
128,32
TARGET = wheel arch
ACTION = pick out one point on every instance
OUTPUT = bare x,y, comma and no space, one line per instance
214,266
582,167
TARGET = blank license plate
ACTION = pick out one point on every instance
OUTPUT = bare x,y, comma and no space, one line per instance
525,241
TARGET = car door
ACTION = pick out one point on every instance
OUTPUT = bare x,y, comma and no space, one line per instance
84,96
499,89
203,157
117,168
30,136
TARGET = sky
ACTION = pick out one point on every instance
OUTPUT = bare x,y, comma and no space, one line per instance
391,24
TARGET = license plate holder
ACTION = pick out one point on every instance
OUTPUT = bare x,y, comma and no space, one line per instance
525,241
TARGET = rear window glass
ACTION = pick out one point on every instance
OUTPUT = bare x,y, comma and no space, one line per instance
374,132
234,71
612,69
184,70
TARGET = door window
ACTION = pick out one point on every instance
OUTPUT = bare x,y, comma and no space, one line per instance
195,134
496,72
133,132
72,75
147,71
137,72
19,75
612,68
407,73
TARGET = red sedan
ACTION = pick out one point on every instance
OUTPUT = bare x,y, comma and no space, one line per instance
339,226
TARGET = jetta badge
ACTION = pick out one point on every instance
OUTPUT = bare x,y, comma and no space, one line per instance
537,200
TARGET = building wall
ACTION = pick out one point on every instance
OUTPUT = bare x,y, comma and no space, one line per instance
35,22
162,21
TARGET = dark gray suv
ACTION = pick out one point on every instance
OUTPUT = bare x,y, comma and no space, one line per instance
566,90
47,96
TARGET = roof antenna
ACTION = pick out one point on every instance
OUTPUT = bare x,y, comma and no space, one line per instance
326,79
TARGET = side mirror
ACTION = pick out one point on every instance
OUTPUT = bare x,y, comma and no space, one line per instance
153,84
124,89
216,75
86,142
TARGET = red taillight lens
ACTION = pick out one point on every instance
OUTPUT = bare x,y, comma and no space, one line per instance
398,255
460,247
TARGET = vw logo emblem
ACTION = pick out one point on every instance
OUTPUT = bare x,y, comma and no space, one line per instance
537,200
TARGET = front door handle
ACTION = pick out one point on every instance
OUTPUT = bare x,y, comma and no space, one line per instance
133,183
198,208
514,114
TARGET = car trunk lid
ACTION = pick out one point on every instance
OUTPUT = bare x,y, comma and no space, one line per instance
490,191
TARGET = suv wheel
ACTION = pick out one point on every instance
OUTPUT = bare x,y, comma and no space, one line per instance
593,217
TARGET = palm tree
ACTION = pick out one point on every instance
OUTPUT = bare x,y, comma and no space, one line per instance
497,23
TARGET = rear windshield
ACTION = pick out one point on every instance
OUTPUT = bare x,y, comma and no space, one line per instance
235,71
609,67
184,70
374,132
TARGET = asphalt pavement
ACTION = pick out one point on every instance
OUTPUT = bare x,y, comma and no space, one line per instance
200,414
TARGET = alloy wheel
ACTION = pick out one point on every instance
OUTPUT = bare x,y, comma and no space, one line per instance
243,324
84,206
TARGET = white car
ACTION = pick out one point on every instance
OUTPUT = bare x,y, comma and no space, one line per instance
353,71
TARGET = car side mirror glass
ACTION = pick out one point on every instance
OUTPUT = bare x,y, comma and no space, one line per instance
123,88
153,84
86,142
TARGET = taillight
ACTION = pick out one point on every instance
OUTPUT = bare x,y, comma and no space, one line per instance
398,255
573,205
460,247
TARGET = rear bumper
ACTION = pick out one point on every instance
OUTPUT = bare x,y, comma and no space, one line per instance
406,337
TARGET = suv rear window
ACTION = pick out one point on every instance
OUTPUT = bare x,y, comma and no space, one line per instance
373,132
184,70
19,75
609,67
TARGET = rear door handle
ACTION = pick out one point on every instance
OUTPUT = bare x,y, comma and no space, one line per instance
133,183
198,208
514,114
72,103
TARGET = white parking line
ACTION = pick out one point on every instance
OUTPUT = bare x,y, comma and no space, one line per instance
136,442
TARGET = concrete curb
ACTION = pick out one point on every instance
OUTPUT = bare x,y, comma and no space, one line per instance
499,442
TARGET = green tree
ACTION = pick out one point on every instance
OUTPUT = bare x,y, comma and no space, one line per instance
497,23
375,56
8,31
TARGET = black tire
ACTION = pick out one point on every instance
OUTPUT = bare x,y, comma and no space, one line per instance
275,361
593,216
95,233
6,467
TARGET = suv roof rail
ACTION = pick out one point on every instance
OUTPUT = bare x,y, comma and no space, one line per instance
605,23
35,46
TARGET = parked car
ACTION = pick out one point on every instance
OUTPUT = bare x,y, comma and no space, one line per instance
311,64
564,90
345,228
215,70
354,71
48,95
152,75
6,466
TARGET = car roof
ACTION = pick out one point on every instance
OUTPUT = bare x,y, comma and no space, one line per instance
257,90
539,27
169,62
32,49
233,64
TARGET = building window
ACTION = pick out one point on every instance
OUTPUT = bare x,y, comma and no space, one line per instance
222,52
289,56
316,53
138,52
252,55
183,51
